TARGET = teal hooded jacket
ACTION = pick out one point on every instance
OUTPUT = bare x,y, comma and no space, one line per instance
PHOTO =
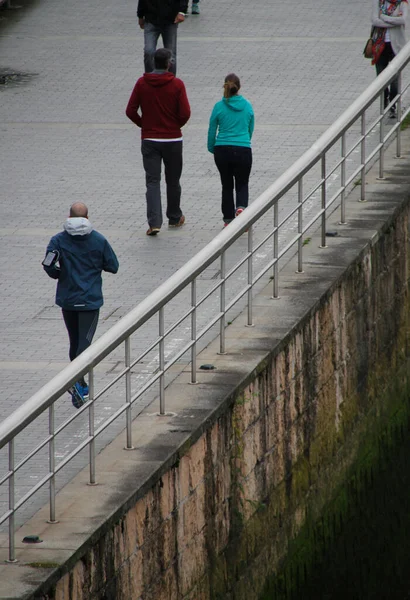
231,123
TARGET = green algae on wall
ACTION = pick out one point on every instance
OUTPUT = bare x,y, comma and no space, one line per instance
360,546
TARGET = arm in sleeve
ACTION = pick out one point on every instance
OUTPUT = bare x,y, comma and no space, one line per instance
141,9
376,19
53,271
133,106
184,107
110,261
399,20
212,129
183,6
251,124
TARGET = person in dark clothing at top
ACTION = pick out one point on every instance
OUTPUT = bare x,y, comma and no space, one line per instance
160,18
76,257
161,97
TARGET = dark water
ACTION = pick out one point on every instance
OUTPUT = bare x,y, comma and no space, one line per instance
369,558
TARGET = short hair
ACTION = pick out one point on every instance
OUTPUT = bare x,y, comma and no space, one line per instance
78,209
162,58
232,85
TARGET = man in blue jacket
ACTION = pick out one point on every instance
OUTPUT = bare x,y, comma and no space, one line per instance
76,257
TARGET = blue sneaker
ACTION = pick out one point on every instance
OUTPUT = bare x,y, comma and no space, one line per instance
195,8
84,389
77,398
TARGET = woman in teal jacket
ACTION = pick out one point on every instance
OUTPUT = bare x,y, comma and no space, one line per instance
229,139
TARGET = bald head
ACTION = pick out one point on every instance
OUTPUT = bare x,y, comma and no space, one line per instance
79,209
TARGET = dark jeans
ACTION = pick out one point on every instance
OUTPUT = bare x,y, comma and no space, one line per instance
385,58
81,326
169,39
153,153
234,165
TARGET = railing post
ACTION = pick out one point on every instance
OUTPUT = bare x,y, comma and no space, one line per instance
222,307
250,276
127,347
276,250
161,361
381,137
300,225
51,463
193,331
399,109
363,158
323,196
343,181
91,426
12,551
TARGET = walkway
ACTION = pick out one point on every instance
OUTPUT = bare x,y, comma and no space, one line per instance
64,137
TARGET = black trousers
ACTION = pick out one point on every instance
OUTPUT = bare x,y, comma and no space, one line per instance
386,57
153,154
81,326
234,164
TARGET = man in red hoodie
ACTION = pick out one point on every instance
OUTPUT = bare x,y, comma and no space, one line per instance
162,100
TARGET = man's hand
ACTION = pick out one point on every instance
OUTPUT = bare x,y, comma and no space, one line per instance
179,18
141,23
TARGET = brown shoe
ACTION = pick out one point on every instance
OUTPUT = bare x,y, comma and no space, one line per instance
179,224
153,230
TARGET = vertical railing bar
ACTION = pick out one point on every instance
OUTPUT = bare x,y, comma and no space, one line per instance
51,462
193,331
91,426
363,158
250,276
323,196
161,350
222,306
12,551
127,349
276,250
381,138
399,111
300,225
343,180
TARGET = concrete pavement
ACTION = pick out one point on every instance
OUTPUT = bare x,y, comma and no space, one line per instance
64,137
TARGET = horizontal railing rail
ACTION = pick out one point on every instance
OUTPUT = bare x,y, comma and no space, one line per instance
231,287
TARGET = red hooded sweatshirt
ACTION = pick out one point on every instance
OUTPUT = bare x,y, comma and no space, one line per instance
164,106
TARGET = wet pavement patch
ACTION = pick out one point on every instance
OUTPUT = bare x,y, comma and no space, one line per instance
10,77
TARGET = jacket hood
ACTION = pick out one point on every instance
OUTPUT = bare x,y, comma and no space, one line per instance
158,79
78,226
236,103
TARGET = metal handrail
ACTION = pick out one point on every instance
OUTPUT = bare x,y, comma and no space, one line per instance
157,301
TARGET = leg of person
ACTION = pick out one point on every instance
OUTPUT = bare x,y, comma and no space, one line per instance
394,86
195,7
87,325
380,66
151,157
173,161
151,35
242,166
169,38
71,322
222,157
